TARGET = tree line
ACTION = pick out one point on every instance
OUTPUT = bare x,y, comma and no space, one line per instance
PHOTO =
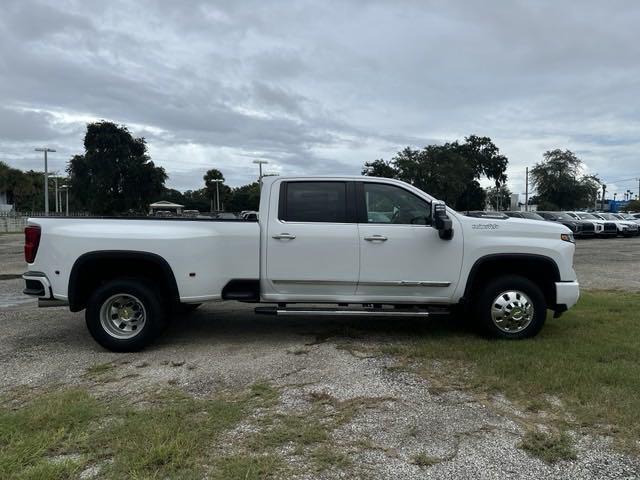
115,175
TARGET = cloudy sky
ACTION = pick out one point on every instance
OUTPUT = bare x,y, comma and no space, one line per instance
321,87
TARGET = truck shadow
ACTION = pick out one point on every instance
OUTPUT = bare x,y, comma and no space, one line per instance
209,324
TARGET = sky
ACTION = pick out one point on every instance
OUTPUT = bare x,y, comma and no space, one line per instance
322,87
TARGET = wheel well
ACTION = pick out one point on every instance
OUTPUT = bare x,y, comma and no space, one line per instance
541,270
93,269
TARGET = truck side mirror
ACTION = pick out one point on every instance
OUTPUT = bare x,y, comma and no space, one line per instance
441,220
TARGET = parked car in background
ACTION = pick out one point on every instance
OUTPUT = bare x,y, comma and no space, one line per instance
625,229
191,213
526,215
604,228
580,228
633,226
630,217
226,216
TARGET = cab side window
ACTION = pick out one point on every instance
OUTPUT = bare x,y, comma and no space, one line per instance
314,202
394,205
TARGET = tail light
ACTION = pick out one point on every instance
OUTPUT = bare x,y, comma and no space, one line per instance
31,243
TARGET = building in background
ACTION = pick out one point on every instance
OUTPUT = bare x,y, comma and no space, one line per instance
5,198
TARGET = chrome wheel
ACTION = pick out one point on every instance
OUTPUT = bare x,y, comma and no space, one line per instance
123,316
512,311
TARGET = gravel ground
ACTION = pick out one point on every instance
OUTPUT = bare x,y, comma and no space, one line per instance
225,347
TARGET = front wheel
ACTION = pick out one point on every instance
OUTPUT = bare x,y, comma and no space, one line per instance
125,315
511,307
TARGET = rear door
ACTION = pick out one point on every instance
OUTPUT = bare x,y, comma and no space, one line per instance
312,247
402,257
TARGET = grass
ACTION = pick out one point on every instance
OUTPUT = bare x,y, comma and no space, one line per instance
169,435
589,359
550,447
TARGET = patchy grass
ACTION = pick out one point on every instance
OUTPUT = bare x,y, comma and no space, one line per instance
326,457
550,447
423,460
246,467
588,359
168,435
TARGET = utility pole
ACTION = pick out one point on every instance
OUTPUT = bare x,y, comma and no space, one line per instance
65,187
55,180
46,178
526,190
217,181
604,191
260,163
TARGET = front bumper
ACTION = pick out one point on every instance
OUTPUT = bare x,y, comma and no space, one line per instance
567,294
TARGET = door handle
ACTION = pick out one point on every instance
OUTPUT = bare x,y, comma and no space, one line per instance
284,236
376,238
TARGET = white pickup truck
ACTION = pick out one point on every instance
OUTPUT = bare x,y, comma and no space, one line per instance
341,245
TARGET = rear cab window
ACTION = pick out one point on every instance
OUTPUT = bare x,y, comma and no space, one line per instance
316,201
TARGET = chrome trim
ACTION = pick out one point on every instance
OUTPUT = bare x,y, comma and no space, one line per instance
284,236
367,313
376,238
391,283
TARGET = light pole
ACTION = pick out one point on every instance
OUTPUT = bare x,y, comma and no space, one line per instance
218,181
260,163
55,181
46,178
65,187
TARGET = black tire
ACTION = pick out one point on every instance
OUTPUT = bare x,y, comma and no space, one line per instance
148,298
484,303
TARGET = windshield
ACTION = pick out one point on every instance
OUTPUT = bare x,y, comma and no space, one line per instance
532,216
563,216
585,216
608,216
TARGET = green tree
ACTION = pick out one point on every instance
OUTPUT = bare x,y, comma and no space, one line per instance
246,197
499,197
115,174
560,183
449,172
633,206
210,186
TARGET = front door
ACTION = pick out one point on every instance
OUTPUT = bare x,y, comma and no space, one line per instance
402,257
312,246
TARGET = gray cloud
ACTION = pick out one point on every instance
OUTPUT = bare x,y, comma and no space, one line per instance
322,87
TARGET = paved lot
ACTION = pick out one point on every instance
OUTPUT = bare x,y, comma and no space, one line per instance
226,346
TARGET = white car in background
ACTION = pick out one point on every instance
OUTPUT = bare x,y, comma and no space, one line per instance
604,228
628,217
625,228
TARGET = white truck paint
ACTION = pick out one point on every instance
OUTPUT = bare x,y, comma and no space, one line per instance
369,257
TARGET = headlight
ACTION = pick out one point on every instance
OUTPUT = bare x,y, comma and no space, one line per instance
567,237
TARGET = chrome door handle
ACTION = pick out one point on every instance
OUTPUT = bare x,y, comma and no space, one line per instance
376,238
284,236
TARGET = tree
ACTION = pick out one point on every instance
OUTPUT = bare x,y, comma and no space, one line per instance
499,197
449,172
246,197
115,173
560,183
210,186
633,206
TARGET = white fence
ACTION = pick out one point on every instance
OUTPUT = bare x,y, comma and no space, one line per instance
16,221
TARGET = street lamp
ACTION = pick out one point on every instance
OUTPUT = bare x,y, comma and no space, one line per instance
260,163
218,182
65,187
46,178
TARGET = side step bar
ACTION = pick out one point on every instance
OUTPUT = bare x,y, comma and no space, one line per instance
366,312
